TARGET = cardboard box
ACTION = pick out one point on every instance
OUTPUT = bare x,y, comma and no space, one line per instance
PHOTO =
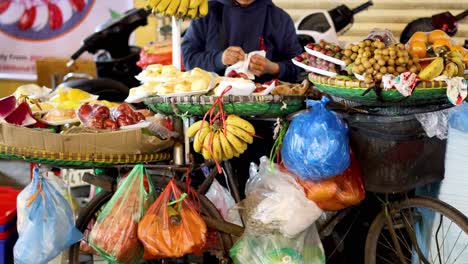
115,142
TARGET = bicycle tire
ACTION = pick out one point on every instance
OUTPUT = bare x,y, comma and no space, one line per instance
87,214
84,218
379,222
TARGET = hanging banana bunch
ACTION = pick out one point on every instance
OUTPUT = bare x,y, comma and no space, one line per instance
182,9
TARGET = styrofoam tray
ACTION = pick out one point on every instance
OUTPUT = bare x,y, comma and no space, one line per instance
325,57
313,69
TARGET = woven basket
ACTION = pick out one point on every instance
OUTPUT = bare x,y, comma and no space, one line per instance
78,159
261,106
427,92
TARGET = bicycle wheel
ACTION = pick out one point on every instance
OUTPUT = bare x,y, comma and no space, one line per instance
81,253
418,230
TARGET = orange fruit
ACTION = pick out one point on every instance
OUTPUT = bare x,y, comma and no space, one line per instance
460,49
440,43
419,37
465,58
437,34
418,49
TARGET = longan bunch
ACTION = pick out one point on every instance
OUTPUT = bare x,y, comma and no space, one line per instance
373,60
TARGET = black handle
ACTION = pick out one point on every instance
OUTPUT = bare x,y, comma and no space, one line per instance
362,7
78,53
462,15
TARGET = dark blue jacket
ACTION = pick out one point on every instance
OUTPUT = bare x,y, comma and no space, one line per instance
230,25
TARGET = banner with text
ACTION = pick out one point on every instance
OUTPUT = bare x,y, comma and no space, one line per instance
32,29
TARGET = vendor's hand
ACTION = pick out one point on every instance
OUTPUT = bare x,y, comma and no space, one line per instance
232,55
260,65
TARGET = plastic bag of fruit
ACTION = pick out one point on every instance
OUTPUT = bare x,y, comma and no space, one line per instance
172,227
315,147
45,223
114,235
125,115
275,201
338,192
273,248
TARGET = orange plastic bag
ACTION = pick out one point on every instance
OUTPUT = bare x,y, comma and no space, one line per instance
338,192
172,226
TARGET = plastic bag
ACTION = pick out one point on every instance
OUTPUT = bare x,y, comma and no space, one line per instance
156,53
273,248
172,227
434,123
338,192
315,146
275,201
458,117
45,223
224,202
114,235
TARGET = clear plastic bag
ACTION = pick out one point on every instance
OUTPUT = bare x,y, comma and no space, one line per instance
114,235
224,202
338,192
172,227
458,118
434,123
315,146
273,248
45,223
275,201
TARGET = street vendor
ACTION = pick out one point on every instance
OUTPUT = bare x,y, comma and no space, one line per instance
234,28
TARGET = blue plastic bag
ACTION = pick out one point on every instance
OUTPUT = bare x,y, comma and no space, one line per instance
315,146
45,223
458,117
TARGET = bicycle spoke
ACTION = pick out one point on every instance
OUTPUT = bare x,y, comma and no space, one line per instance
466,246
389,247
459,234
386,260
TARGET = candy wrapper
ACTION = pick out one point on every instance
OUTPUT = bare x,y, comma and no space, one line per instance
456,88
404,82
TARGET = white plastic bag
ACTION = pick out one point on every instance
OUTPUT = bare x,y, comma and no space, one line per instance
280,202
224,202
243,66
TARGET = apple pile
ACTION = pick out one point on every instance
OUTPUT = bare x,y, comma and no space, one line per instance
100,117
327,49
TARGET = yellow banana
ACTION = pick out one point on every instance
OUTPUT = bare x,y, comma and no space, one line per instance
432,70
192,12
206,146
241,123
162,6
199,138
153,4
193,129
460,65
194,4
240,133
226,146
217,149
172,8
238,145
451,69
183,8
203,9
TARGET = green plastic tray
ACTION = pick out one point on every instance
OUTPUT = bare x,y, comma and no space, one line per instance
425,92
260,106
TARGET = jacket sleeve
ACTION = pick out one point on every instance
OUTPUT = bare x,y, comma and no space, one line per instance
194,48
289,48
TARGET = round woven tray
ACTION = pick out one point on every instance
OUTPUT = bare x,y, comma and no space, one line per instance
260,106
427,92
78,159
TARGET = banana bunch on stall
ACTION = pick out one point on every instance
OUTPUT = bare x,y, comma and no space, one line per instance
221,141
450,65
182,9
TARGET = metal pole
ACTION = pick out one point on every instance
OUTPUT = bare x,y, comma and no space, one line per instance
176,42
